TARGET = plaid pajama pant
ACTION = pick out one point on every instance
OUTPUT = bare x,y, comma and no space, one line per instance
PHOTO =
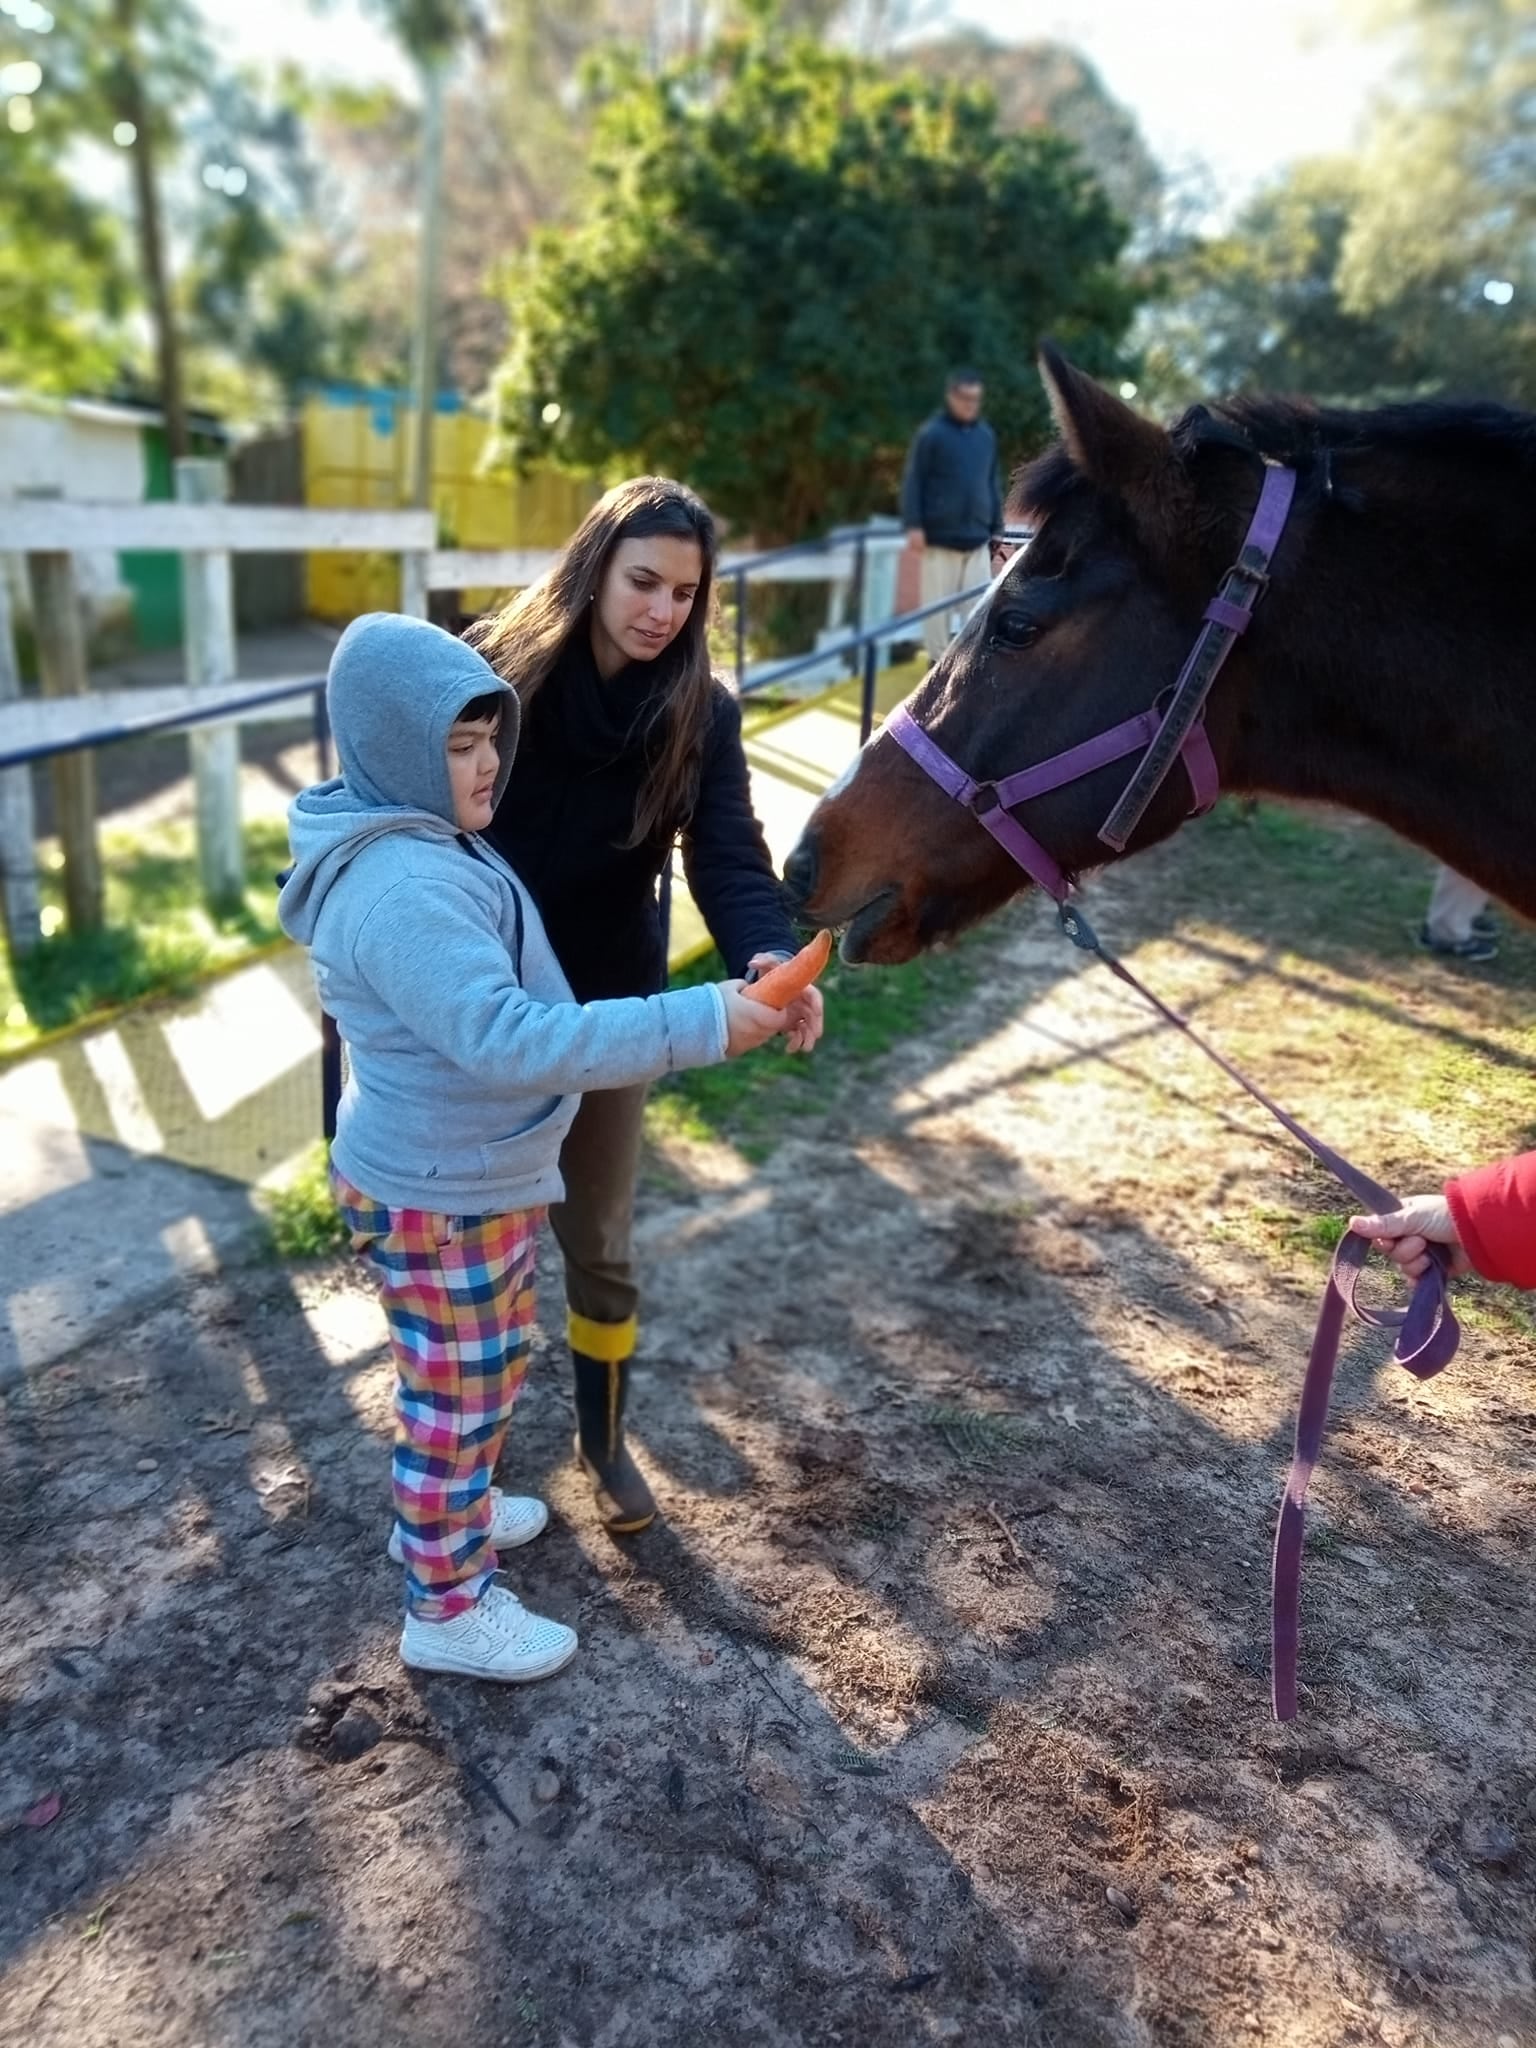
458,1296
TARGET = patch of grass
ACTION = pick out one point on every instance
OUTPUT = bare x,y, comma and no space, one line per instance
1320,1234
1316,1236
1502,1311
1323,1541
157,938
304,1221
1323,874
748,1102
1462,1082
977,1437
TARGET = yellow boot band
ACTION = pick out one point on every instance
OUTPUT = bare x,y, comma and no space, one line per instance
612,1343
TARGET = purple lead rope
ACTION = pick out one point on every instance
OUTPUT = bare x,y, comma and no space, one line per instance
1428,1332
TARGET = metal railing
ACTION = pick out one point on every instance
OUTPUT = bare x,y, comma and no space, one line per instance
741,571
224,706
865,644
860,646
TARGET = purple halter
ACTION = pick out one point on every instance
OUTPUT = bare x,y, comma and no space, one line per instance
1428,1333
1164,736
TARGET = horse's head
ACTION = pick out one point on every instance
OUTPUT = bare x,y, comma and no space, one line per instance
1085,627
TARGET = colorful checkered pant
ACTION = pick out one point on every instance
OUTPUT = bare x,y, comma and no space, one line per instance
458,1295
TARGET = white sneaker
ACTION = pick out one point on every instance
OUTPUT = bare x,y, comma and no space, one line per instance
496,1638
516,1519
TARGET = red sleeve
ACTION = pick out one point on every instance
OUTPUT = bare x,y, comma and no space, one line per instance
1495,1212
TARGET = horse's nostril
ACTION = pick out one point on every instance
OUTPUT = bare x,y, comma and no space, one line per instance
800,870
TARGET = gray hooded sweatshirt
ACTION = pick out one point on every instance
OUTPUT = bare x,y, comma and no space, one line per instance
468,1053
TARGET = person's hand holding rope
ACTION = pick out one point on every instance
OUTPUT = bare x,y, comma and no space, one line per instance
1406,1235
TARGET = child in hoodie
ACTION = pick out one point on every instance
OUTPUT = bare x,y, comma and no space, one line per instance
468,1057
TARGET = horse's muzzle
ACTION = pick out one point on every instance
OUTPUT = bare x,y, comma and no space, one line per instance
800,871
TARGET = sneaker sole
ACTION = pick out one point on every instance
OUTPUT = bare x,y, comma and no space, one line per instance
396,1555
461,1667
1474,952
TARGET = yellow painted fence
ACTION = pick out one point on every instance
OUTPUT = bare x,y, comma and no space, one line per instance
357,452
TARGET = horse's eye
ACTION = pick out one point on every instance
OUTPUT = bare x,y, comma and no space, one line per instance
1013,628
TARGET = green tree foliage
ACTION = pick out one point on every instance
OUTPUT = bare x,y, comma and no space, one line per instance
1050,85
1260,308
1368,278
1447,199
430,30
64,278
786,250
229,234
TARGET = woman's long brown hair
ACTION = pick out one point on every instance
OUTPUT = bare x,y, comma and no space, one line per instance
525,640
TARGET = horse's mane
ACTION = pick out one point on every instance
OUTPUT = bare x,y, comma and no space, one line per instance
1295,431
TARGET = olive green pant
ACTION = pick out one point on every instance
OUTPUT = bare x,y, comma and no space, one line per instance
594,1225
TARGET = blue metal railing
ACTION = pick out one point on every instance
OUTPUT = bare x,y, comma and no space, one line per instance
176,719
861,646
840,537
864,643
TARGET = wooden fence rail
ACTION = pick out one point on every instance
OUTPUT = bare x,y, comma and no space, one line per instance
207,532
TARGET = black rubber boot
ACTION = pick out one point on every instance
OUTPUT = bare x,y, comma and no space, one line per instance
623,1499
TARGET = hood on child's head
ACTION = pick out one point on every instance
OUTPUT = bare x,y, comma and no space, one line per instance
396,685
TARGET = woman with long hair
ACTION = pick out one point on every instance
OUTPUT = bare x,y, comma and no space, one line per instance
628,742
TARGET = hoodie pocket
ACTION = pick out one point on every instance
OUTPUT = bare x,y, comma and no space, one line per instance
530,1150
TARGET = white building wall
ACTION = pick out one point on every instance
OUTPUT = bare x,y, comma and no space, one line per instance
86,451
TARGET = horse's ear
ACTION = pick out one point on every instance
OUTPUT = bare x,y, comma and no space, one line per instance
1109,443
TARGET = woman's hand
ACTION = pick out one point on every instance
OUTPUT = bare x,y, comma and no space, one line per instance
1407,1233
806,1014
748,1024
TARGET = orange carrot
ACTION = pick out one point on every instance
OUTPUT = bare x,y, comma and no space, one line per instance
781,984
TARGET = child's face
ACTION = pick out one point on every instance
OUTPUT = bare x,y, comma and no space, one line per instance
474,761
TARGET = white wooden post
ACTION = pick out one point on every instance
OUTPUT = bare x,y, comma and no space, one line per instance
415,572
20,910
208,605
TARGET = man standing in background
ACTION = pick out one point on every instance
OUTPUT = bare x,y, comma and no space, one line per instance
1457,923
951,500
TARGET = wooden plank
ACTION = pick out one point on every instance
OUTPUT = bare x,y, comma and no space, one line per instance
20,906
57,526
208,607
487,568
62,669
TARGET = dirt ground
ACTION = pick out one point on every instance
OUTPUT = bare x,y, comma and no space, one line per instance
936,1707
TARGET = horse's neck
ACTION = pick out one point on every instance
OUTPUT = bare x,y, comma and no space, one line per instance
1407,692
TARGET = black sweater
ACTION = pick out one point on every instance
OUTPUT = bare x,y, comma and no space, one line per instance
570,806
950,488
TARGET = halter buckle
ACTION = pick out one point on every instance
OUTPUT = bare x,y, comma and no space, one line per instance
1252,565
983,798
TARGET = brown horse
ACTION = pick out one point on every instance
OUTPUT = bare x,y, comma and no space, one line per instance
1391,665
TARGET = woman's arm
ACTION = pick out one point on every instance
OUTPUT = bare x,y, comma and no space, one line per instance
725,856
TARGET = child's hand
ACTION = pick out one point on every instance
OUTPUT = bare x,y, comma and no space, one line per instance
748,1024
806,1013
1407,1233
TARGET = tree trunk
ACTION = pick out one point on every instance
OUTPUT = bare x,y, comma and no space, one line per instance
132,105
